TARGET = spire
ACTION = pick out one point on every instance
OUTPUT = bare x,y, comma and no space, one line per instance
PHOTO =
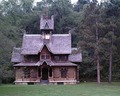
46,12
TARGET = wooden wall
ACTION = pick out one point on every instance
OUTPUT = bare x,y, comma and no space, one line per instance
20,76
45,50
56,74
71,73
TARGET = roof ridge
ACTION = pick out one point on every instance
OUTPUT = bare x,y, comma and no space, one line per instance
60,34
32,35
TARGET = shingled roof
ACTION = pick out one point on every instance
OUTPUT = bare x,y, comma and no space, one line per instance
50,63
59,44
47,21
75,57
26,64
16,55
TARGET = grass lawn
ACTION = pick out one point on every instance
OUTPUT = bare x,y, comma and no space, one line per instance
83,89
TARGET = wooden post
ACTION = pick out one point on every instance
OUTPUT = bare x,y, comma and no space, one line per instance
37,72
77,73
41,73
52,73
48,73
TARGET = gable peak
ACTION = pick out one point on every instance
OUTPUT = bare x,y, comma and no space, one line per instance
47,23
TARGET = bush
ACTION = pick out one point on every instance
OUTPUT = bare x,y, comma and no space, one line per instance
6,74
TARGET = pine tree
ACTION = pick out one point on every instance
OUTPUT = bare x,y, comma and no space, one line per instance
90,30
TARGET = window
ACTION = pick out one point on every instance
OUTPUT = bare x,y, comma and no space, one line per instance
47,36
26,72
63,72
45,56
56,58
31,58
63,58
42,56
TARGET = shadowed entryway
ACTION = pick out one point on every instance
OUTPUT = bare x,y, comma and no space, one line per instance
44,73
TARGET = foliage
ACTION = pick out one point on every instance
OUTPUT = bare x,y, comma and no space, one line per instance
108,30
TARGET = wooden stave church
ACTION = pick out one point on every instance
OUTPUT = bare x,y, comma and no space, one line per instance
46,57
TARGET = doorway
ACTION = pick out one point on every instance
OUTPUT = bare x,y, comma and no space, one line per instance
44,73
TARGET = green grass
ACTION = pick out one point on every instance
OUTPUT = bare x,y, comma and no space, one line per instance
83,89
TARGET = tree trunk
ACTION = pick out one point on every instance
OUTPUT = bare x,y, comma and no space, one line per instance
98,70
110,60
110,66
97,55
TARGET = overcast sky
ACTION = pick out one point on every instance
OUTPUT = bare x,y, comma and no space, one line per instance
73,1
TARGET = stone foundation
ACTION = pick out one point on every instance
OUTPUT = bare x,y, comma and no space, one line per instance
50,82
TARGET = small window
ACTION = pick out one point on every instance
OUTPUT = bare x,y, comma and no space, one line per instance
56,58
47,36
63,72
42,56
47,56
63,58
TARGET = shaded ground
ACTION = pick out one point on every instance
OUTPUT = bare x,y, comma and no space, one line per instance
83,89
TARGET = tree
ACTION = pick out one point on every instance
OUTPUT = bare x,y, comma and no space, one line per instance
90,30
112,13
80,5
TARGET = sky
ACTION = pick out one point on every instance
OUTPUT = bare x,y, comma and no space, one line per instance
72,1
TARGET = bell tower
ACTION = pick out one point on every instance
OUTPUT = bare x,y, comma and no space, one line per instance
46,27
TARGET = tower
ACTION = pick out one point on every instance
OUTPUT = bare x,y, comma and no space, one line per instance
46,27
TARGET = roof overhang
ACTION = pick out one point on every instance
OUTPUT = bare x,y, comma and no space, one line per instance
40,63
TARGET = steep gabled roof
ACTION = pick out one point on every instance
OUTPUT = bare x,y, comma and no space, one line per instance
48,21
16,55
31,44
46,26
50,63
44,45
59,44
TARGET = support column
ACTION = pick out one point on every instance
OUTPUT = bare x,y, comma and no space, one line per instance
37,72
78,73
48,73
52,73
41,74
